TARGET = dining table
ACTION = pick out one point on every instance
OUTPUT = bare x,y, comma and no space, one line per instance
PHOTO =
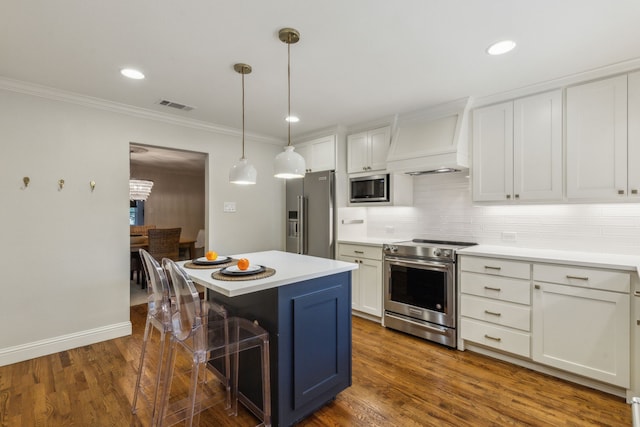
185,244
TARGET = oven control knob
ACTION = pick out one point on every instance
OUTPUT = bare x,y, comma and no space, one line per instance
390,248
446,253
437,252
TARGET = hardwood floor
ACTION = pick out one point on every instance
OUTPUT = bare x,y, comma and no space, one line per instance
398,380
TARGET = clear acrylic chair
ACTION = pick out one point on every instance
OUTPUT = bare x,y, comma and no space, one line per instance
203,329
158,317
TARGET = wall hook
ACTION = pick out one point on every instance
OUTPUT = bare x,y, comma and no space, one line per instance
26,181
92,184
60,184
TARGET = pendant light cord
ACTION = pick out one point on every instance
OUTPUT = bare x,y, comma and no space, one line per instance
243,115
289,87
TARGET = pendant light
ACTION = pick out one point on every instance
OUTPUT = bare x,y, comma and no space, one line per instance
242,173
139,189
289,164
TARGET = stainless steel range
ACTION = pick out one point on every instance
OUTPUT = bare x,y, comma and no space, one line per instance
420,288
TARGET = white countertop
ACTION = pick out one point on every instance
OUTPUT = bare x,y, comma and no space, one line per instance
585,259
290,268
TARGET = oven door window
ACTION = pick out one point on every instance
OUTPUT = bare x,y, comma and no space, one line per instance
419,287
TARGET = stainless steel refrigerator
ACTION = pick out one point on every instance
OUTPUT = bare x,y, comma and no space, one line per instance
311,214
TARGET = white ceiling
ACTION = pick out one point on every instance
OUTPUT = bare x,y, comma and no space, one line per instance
141,156
357,60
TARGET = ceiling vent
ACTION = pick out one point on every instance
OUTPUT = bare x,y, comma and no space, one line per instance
175,105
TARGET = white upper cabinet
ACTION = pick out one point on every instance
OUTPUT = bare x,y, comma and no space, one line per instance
597,139
633,134
517,150
319,154
367,151
493,152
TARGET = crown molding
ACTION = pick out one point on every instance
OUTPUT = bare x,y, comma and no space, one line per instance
560,83
102,104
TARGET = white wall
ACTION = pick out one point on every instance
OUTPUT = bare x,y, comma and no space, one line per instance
443,210
64,253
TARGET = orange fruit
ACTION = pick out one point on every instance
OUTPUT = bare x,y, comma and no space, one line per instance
211,255
243,264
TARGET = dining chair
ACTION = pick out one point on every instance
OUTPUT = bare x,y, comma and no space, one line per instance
158,317
206,333
136,231
164,243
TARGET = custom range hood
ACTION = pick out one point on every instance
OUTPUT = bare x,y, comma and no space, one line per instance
431,141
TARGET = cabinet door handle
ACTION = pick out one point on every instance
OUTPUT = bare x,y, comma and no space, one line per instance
577,277
492,289
489,337
536,286
489,267
636,293
517,196
634,191
358,252
621,192
493,313
508,196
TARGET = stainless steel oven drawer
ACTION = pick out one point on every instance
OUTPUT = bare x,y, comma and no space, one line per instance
420,328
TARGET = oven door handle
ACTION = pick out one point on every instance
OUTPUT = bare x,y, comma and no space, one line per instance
420,264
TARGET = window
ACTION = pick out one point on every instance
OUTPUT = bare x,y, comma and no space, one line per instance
136,212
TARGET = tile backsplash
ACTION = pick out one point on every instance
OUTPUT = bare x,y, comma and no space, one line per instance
442,209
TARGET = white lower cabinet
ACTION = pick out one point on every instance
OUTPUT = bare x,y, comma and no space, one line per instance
581,322
495,304
571,318
366,281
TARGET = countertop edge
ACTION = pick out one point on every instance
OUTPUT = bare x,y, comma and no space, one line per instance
271,284
584,259
289,268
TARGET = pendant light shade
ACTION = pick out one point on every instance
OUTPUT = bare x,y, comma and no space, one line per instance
139,189
243,172
289,164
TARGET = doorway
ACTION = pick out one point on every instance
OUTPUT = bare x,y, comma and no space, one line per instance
177,197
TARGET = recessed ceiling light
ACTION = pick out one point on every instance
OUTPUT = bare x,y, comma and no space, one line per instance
292,119
501,47
132,74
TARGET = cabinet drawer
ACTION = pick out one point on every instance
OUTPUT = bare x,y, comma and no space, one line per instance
498,267
497,312
500,288
497,337
608,280
360,251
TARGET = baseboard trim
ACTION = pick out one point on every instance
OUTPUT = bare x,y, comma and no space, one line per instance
567,376
48,346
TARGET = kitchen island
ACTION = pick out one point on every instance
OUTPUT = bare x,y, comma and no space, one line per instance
306,308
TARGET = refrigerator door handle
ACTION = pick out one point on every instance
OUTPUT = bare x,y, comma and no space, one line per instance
301,226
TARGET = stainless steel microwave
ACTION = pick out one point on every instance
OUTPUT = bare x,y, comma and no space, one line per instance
370,188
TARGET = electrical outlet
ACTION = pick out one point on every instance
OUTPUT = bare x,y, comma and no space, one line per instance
229,207
509,236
